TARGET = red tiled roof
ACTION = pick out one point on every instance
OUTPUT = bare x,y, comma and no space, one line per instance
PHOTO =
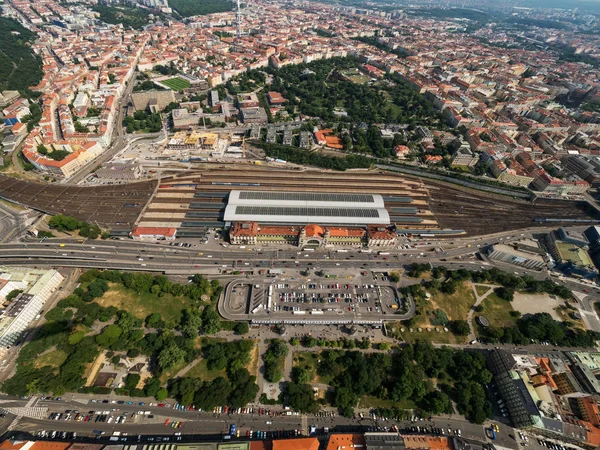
154,231
296,444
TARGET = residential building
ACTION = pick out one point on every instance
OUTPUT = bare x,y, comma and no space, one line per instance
253,115
38,286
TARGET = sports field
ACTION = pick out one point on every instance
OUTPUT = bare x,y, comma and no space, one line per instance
177,84
355,76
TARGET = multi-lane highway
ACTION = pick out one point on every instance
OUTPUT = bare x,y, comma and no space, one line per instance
180,260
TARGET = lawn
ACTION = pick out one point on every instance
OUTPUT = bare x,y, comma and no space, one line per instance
355,76
252,366
203,341
141,305
310,361
482,290
200,370
54,358
497,311
369,401
565,315
177,84
457,305
438,337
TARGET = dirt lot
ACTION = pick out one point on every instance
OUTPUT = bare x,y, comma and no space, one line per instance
536,303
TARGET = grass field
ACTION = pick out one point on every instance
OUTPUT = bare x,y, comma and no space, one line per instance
565,315
54,358
497,311
177,84
457,305
310,361
438,337
368,401
482,290
204,373
355,76
254,361
141,305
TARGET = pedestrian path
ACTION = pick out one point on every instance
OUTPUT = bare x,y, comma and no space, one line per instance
32,413
26,411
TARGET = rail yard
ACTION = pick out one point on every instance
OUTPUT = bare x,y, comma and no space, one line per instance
195,200
481,213
111,206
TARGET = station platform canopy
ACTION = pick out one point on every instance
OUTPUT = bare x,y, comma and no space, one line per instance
306,207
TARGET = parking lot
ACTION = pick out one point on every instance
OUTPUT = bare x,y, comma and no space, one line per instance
333,297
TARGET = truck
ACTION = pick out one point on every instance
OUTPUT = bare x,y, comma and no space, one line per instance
491,433
232,429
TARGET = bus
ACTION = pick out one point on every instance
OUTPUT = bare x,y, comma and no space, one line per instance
383,253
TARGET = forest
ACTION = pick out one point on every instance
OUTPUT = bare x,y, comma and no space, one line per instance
68,223
143,121
187,8
301,156
20,68
136,18
318,89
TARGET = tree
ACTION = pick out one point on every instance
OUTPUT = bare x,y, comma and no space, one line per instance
161,394
154,320
64,223
301,398
191,322
216,357
437,402
346,400
505,293
300,375
131,381
170,356
152,386
211,323
13,294
242,328
272,372
109,335
459,327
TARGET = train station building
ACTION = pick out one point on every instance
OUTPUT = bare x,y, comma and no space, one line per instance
308,219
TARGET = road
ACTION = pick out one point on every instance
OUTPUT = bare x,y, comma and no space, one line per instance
8,222
196,423
128,255
120,138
